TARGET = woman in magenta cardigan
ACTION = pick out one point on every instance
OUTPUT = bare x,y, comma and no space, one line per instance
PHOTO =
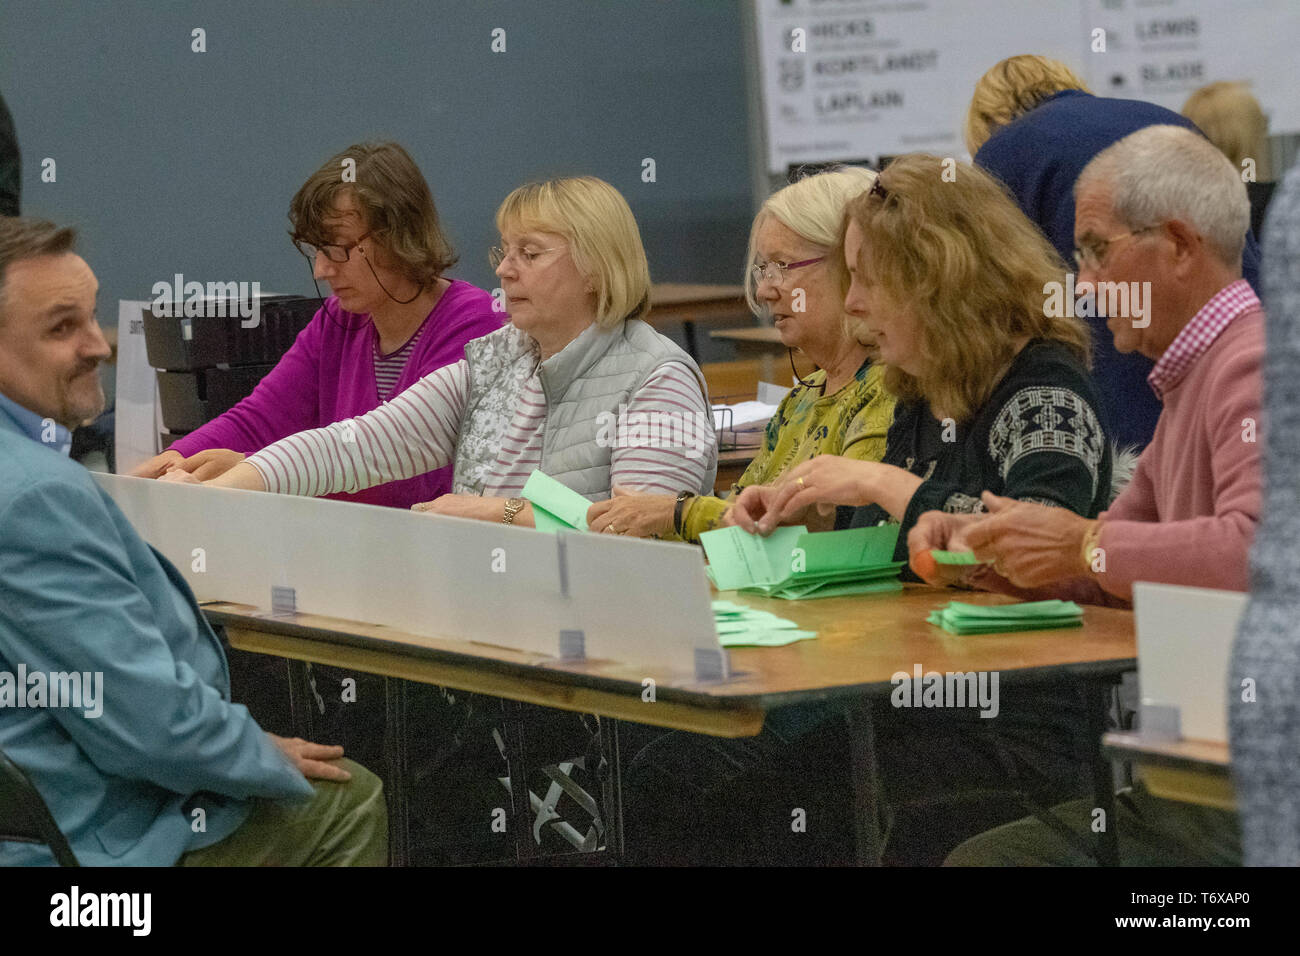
393,318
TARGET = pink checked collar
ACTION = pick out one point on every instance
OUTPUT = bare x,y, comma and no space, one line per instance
1198,335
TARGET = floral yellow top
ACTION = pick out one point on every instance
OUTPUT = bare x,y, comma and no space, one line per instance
853,422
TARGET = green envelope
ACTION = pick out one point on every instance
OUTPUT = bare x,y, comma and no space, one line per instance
793,563
738,559
740,626
817,589
556,507
765,638
728,607
543,520
957,617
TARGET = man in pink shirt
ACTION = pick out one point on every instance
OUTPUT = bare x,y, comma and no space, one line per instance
1162,209
1161,217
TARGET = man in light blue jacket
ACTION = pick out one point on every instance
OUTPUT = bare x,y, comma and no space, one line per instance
114,690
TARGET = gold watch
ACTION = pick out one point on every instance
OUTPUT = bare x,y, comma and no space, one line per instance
1091,543
513,507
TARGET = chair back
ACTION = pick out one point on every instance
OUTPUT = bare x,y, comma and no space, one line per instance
24,817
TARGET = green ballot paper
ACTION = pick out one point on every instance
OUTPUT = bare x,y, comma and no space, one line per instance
758,638
954,557
740,626
738,559
793,563
556,507
957,617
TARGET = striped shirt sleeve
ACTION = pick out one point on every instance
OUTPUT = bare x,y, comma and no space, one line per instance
669,440
408,436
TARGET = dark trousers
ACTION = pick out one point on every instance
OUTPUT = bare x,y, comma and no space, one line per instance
1152,832
784,797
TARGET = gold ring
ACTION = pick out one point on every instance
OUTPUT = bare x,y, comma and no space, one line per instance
799,482
614,529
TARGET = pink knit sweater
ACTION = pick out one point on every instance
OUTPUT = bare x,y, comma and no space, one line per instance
1190,512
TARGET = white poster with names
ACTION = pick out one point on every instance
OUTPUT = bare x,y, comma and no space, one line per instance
1164,51
856,80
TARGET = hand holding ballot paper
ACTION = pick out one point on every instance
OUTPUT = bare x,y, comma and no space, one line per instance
556,507
1027,544
943,568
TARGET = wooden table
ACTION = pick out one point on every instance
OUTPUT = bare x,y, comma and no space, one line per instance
863,642
672,303
1192,771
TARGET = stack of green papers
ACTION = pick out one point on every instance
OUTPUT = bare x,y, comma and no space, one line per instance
794,563
958,618
740,626
556,507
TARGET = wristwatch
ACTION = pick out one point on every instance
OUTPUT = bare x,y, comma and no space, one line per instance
1091,542
678,510
513,507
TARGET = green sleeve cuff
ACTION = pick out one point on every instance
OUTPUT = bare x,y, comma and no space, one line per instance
703,512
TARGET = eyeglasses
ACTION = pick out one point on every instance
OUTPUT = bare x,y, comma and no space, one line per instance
526,257
1090,256
774,272
334,251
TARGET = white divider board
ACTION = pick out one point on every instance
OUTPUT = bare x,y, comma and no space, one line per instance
643,602
1185,639
431,575
136,418
425,574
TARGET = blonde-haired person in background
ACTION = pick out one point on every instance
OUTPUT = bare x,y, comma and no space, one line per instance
1231,118
533,395
1011,88
792,275
1037,142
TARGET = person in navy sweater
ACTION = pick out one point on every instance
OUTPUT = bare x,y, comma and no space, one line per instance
1033,123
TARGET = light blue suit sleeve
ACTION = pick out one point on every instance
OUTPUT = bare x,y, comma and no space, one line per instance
70,601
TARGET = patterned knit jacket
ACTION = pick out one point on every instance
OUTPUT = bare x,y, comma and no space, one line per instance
1264,677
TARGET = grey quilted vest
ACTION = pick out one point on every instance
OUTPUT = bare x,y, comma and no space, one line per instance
585,383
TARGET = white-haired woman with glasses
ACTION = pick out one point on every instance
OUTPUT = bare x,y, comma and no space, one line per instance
840,409
554,390
393,318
